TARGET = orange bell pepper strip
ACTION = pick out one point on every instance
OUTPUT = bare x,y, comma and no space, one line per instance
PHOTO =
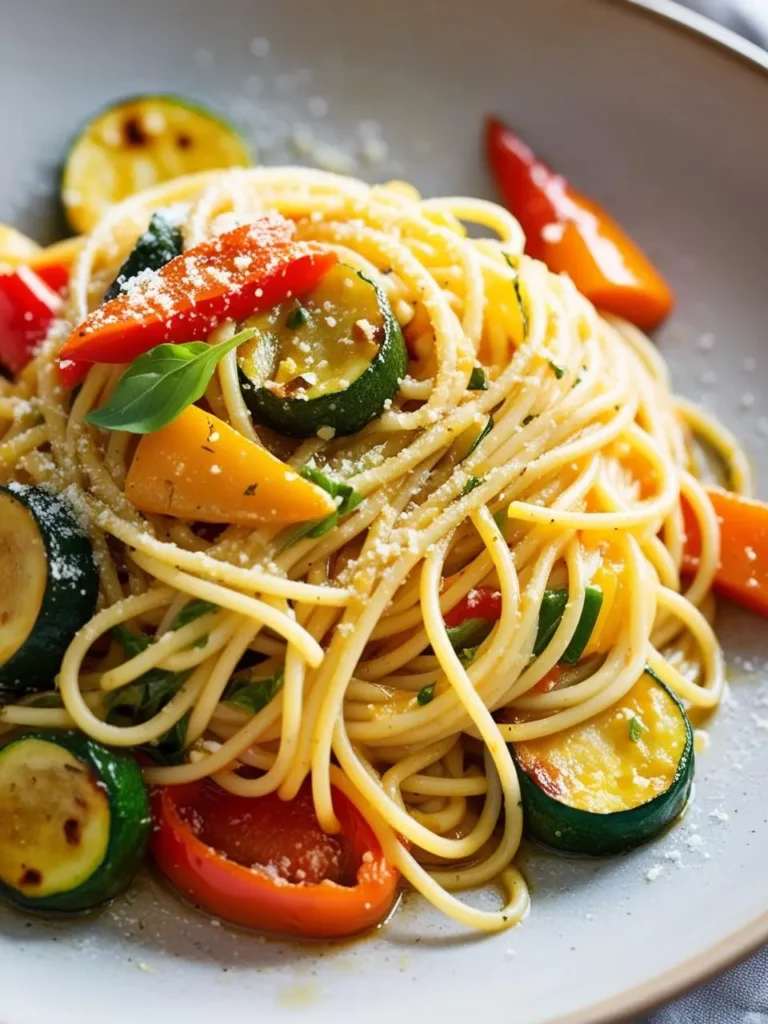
265,863
573,235
200,468
742,573
238,273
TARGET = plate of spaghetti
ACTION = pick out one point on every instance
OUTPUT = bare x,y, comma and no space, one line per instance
380,592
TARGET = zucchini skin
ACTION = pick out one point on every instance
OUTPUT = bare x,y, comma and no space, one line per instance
69,601
130,826
347,411
555,824
160,243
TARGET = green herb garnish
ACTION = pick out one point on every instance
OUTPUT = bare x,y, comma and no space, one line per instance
132,643
253,696
636,729
426,694
477,379
297,318
346,497
470,485
467,654
161,384
191,611
557,369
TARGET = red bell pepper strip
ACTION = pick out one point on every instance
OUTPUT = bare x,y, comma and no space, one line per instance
27,306
479,603
55,275
265,863
251,268
573,235
742,573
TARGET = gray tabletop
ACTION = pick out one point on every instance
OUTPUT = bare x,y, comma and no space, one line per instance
739,996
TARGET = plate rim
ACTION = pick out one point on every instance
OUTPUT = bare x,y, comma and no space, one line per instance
737,945
733,947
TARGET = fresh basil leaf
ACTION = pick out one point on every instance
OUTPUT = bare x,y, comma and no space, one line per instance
161,384
426,694
132,643
636,729
194,610
253,696
477,379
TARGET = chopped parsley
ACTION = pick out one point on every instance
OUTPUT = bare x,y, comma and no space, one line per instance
191,611
470,485
253,696
557,369
426,694
477,380
467,654
297,318
636,729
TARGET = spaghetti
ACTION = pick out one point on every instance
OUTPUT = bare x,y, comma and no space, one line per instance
577,479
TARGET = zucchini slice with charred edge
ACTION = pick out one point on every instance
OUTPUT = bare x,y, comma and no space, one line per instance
612,782
49,584
160,243
139,142
74,822
331,360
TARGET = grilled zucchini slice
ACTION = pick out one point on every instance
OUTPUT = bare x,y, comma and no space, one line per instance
50,584
612,782
139,142
74,822
329,361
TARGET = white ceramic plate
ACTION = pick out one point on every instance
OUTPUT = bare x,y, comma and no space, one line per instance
669,131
